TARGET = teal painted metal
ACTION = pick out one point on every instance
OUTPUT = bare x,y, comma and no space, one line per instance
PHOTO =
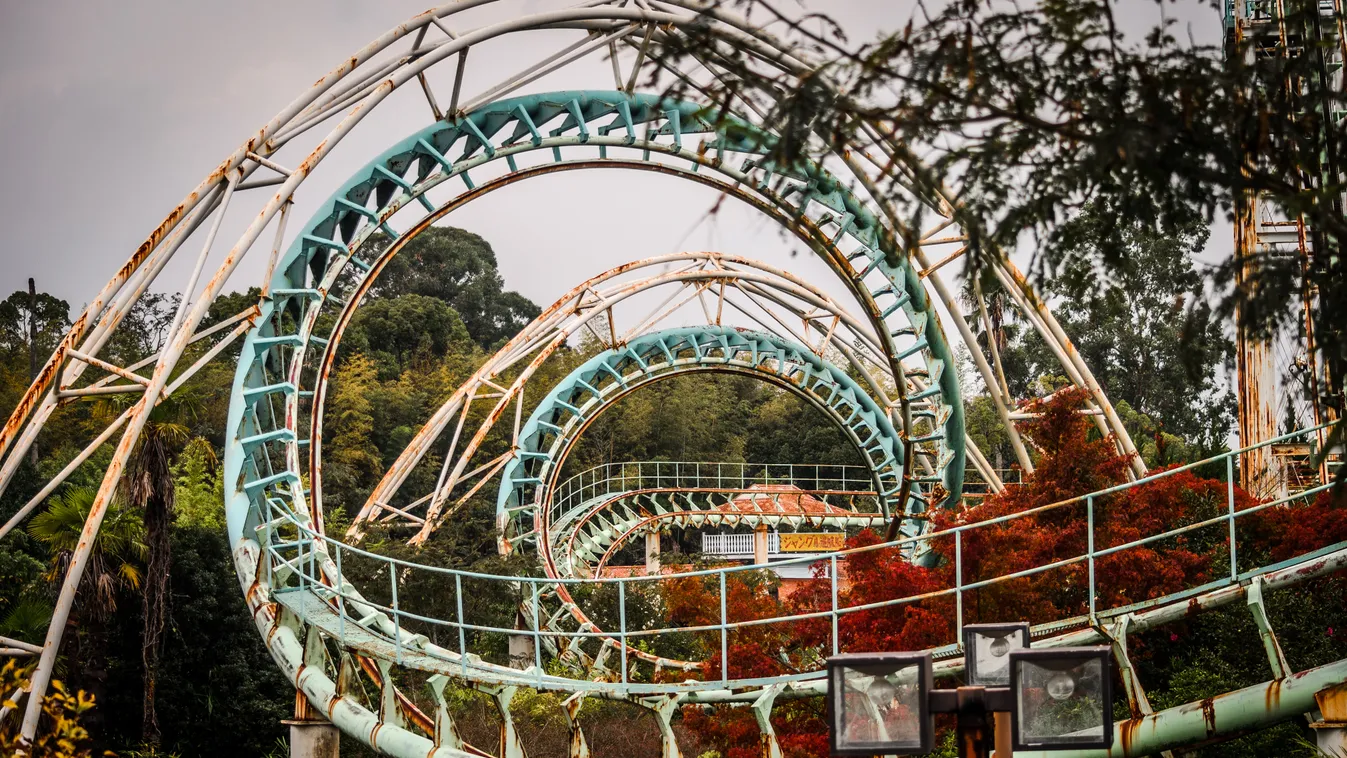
587,391
1329,559
291,572
267,501
331,243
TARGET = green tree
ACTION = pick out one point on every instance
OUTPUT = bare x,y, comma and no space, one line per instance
1032,111
219,692
143,330
118,550
351,460
1142,325
150,487
458,268
198,488
50,320
395,331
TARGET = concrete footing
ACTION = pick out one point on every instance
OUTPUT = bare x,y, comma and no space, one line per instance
313,739
1330,734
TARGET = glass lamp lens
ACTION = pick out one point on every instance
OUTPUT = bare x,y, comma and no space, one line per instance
881,693
992,658
880,709
1061,702
1060,686
999,647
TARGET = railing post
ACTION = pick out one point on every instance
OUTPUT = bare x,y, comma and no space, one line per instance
958,584
833,574
1089,552
537,636
397,619
622,625
462,633
341,600
304,561
1230,504
724,635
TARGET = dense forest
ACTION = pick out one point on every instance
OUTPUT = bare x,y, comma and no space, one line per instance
181,671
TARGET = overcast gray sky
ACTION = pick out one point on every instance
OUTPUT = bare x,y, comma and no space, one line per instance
111,111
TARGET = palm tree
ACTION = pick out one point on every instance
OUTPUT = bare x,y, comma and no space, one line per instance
119,548
114,566
149,486
27,620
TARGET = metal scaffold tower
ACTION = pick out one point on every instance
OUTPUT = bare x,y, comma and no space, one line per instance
878,364
1263,36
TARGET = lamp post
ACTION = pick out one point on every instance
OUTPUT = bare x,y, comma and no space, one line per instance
987,649
1054,699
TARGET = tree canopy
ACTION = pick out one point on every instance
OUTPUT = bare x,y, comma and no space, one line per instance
458,268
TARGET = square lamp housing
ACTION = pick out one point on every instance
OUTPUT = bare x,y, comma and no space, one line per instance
987,650
1063,698
879,704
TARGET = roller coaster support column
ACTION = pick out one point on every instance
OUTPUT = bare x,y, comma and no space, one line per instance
446,732
664,709
572,705
652,551
1330,734
311,736
760,545
510,744
762,711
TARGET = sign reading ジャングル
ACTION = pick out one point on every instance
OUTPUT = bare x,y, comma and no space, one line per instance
815,542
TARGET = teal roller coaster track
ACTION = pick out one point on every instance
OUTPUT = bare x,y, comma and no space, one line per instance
881,367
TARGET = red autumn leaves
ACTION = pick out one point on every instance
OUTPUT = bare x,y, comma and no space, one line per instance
1072,460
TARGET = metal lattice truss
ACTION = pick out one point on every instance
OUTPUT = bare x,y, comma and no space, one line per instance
850,205
605,378
718,287
525,504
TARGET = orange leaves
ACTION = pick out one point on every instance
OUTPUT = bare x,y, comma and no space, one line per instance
1075,462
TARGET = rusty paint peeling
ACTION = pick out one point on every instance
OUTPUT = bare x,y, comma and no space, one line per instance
1272,698
1209,715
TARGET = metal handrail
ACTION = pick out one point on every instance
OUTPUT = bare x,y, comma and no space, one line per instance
308,560
589,484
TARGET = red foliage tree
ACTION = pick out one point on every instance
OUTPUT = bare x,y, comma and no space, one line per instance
1072,461
876,576
754,651
1291,529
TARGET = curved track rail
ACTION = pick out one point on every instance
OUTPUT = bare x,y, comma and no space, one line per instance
305,587
325,633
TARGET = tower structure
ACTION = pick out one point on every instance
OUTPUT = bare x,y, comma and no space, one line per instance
1283,380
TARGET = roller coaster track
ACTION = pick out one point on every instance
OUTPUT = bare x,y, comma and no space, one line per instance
881,368
313,619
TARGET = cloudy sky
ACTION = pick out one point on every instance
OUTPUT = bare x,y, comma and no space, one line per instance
111,111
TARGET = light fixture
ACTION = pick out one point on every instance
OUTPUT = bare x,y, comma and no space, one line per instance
878,704
987,649
1063,698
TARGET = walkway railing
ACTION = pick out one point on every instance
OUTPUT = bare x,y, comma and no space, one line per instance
737,545
312,562
612,478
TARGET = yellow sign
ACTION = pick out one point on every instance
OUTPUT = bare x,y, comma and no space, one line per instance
817,542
